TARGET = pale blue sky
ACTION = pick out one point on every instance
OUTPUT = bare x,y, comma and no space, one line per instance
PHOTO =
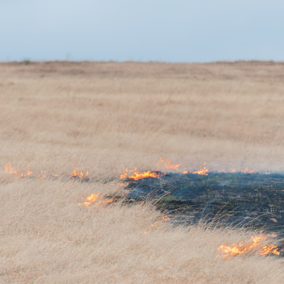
142,30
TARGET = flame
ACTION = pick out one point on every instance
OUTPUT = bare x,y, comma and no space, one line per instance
203,171
246,170
163,219
91,200
255,243
29,173
9,168
41,176
124,175
267,173
78,174
136,174
168,165
11,171
161,160
105,201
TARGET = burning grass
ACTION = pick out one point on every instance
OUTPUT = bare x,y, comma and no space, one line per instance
80,175
135,174
28,173
255,244
255,198
92,200
168,183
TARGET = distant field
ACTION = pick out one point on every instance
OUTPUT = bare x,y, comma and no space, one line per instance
104,118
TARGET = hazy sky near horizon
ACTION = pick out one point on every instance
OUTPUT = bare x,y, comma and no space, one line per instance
142,30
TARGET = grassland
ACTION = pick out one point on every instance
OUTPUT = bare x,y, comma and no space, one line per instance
104,117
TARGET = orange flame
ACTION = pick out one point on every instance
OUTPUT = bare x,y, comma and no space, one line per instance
105,201
168,165
136,175
232,171
11,171
203,171
246,170
78,174
255,243
91,200
29,173
41,176
124,175
163,219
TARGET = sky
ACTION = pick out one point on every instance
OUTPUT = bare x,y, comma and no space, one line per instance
142,30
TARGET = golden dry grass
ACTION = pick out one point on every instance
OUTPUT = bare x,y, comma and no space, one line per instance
104,117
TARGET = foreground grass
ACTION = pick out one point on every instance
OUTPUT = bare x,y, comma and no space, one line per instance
47,238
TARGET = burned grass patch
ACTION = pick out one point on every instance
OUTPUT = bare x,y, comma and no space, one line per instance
252,200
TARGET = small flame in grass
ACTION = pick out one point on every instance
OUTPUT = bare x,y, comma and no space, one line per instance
105,201
11,171
247,171
80,175
41,176
165,218
29,173
167,164
203,171
267,173
92,199
135,174
255,243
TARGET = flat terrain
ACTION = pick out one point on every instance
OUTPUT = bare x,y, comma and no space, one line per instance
103,118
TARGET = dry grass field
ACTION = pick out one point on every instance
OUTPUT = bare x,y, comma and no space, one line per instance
103,118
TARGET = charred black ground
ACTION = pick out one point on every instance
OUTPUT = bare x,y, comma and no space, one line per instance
254,200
